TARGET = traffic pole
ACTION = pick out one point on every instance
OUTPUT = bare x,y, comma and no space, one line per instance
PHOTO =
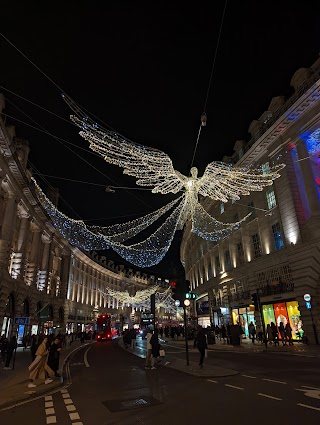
186,333
262,321
314,328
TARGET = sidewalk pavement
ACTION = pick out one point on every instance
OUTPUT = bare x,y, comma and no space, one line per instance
208,371
246,346
14,382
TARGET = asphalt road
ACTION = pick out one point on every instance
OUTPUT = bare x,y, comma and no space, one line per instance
110,386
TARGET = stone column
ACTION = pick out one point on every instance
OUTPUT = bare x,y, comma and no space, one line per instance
308,179
43,272
7,232
32,266
19,257
64,278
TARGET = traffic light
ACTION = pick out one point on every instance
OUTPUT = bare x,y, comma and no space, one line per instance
173,286
181,290
255,301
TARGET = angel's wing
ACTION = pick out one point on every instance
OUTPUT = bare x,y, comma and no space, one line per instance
222,182
151,167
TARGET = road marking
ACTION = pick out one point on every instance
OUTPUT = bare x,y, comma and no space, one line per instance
248,376
86,358
308,407
50,411
269,396
77,423
51,420
272,380
48,398
63,391
66,395
71,408
74,416
210,380
48,404
311,388
314,393
68,401
233,386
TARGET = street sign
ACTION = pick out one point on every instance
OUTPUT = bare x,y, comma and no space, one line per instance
21,321
307,297
308,304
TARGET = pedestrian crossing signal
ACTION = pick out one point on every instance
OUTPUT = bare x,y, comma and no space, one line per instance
191,296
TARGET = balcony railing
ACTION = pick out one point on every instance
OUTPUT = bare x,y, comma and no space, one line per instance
280,288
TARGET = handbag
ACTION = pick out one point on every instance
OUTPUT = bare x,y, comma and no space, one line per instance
162,353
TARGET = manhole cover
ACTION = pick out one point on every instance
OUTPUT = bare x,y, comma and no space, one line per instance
119,405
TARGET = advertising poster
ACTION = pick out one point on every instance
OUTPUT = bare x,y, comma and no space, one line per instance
268,314
295,319
280,311
235,316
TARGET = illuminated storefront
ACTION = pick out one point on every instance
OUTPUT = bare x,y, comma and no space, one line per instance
243,316
284,312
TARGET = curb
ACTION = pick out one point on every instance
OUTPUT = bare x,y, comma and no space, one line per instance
189,370
25,398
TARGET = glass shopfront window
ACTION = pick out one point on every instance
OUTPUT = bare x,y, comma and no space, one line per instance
284,312
243,316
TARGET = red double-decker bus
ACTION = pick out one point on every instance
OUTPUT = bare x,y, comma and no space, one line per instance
105,327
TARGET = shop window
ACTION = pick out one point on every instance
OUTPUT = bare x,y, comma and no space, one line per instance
222,208
256,245
240,253
271,198
227,261
277,236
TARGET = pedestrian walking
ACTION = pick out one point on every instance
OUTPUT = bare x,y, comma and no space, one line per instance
155,349
10,349
3,348
54,356
201,343
288,333
149,349
274,330
133,338
39,368
282,333
252,332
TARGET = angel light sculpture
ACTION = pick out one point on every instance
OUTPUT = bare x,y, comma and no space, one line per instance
153,168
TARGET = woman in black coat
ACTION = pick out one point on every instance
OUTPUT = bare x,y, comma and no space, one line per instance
155,351
54,356
201,343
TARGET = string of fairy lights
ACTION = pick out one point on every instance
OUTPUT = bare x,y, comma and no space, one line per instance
141,299
152,167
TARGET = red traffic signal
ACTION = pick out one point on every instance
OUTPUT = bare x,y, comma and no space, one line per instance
173,284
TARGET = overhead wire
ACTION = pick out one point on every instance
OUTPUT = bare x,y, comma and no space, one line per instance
79,156
210,81
62,92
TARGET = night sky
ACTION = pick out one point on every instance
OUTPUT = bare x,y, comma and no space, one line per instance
144,69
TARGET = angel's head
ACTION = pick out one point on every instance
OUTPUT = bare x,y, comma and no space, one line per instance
194,172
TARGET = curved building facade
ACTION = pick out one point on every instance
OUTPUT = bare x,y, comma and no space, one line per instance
274,257
45,284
